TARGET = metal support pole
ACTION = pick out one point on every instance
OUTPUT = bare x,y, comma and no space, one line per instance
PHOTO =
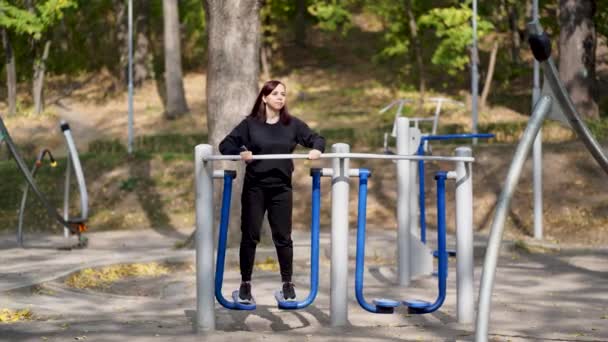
465,300
500,215
130,71
403,207
338,310
474,72
66,194
537,150
205,305
73,155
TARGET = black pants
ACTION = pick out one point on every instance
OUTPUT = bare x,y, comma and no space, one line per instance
278,201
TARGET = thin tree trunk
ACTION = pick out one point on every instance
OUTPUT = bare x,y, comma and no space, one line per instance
11,73
232,76
39,73
488,83
176,100
577,43
300,23
515,41
417,49
264,59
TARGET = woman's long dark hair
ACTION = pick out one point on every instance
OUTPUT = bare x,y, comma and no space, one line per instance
258,111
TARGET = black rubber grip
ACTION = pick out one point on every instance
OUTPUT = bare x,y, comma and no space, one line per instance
541,46
314,170
232,173
65,127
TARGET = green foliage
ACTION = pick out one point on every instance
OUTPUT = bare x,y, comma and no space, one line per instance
396,34
19,20
332,15
452,26
33,23
601,17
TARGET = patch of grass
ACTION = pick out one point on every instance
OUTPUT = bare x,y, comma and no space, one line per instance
269,264
129,184
11,316
104,277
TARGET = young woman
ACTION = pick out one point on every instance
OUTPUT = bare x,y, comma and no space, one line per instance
269,129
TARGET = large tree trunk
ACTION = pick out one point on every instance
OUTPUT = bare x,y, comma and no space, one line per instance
232,77
577,42
39,73
176,101
417,49
11,73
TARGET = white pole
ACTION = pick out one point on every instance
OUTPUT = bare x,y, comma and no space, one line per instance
474,72
338,310
464,238
66,194
205,275
130,39
403,207
537,150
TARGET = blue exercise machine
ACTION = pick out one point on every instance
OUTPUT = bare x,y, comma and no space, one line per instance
420,152
314,249
383,305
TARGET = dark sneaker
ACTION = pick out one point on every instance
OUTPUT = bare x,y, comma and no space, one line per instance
289,291
245,293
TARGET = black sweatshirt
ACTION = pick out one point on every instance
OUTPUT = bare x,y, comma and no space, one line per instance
263,138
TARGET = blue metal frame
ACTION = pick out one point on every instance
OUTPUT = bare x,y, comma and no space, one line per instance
314,251
423,307
420,152
384,306
314,248
221,249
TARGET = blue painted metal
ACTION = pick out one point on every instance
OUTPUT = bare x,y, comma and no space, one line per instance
314,247
421,185
380,305
221,249
422,307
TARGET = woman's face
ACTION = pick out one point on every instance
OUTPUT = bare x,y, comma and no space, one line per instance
276,99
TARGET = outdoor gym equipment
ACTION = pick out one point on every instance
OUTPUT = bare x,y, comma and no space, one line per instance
563,110
383,305
74,226
223,237
421,170
340,173
439,101
73,159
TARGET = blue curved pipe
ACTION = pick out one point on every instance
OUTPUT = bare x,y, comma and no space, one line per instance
419,307
221,247
420,152
314,247
384,306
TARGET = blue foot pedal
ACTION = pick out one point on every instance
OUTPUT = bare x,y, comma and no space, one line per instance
290,304
385,305
239,304
415,305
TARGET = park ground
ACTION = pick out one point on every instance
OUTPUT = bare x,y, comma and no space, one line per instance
548,290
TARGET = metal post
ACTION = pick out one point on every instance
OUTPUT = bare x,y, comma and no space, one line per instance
537,150
338,310
474,72
73,155
464,238
403,207
500,215
130,39
205,317
66,194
